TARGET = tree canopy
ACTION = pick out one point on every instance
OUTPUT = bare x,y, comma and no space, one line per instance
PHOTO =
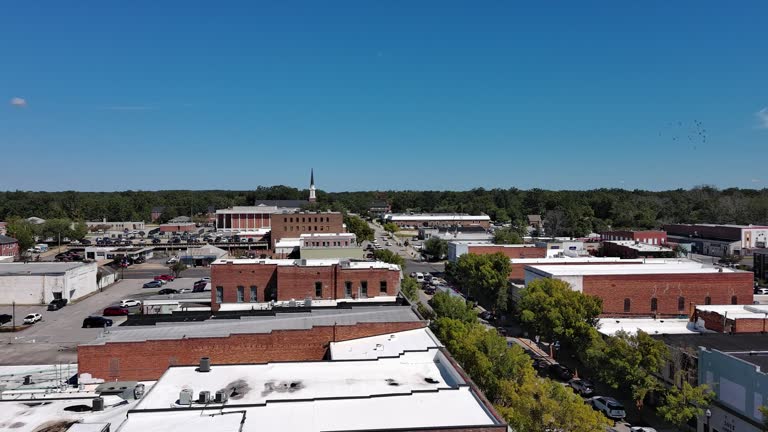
448,306
435,248
388,256
507,236
359,227
483,277
410,288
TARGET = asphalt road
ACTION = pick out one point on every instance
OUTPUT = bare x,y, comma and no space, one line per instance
154,268
55,338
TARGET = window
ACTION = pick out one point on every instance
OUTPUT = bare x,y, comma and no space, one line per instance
240,294
627,304
707,300
681,303
219,294
364,289
319,289
254,295
734,300
383,287
654,304
348,289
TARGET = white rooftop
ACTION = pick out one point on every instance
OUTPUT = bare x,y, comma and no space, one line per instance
677,267
38,268
388,345
610,326
566,259
737,311
640,246
436,216
327,235
311,263
288,242
248,209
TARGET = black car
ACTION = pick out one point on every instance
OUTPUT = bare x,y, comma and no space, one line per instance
57,304
486,315
4,318
155,240
561,372
96,321
85,241
167,291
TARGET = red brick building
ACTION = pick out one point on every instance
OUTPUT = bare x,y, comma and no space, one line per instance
457,249
9,247
240,282
177,227
651,237
518,265
293,225
733,318
635,249
144,353
658,288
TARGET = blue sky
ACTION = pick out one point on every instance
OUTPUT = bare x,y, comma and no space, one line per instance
382,94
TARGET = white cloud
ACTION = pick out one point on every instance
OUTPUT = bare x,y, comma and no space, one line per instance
19,102
755,180
129,108
762,118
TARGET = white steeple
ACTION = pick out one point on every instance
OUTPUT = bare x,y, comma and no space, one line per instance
312,197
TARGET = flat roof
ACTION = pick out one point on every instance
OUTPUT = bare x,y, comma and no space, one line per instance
324,235
38,268
257,324
436,216
757,358
737,342
574,260
689,267
640,246
737,311
387,345
262,209
310,263
509,246
414,390
611,326
287,243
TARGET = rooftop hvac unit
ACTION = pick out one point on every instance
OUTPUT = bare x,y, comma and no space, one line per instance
204,397
186,396
308,302
97,404
205,364
221,396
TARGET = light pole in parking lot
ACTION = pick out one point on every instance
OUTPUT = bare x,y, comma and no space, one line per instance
13,315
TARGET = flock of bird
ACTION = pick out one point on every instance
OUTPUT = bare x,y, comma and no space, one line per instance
694,132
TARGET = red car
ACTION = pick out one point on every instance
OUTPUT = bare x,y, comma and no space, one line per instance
115,310
165,277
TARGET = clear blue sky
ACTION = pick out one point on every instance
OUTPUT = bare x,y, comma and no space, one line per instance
382,94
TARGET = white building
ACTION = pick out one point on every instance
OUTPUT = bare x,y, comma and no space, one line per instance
39,282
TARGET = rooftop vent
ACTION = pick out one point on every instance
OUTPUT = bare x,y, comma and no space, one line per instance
205,364
221,397
186,396
97,404
27,379
204,397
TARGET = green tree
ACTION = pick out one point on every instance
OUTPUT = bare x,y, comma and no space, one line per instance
22,231
484,277
359,227
435,248
391,227
56,228
454,307
79,231
682,404
551,309
764,411
410,288
177,268
507,236
388,256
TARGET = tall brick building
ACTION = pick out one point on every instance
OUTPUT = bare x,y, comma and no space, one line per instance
293,225
651,237
663,288
240,282
9,247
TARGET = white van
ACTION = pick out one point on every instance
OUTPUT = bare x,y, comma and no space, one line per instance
419,277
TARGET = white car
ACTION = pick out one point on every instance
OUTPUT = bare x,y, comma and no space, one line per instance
641,429
762,291
185,290
172,260
612,408
126,303
32,318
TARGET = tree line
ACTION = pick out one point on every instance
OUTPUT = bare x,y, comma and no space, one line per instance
565,212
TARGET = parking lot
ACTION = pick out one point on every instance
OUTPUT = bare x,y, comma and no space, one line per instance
54,339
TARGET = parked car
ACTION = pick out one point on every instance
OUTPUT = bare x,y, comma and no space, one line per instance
641,429
486,315
561,372
609,406
430,290
153,284
32,318
115,310
57,304
128,303
761,291
165,277
5,318
541,365
583,387
155,240
96,321
185,290
165,291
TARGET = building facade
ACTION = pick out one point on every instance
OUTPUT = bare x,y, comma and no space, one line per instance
651,237
39,283
720,240
760,264
457,249
414,221
329,246
635,249
9,247
246,281
178,227
293,225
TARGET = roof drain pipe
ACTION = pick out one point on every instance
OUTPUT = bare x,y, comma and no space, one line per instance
242,420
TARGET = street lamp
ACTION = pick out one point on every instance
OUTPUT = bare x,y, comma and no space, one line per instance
707,413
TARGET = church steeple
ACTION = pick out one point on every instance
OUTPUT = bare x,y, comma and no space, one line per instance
312,197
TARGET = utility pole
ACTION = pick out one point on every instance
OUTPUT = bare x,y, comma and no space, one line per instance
13,316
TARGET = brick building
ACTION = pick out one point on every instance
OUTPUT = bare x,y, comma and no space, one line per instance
437,220
719,240
293,225
518,265
457,249
239,283
665,288
144,353
651,237
9,247
733,318
177,227
760,264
